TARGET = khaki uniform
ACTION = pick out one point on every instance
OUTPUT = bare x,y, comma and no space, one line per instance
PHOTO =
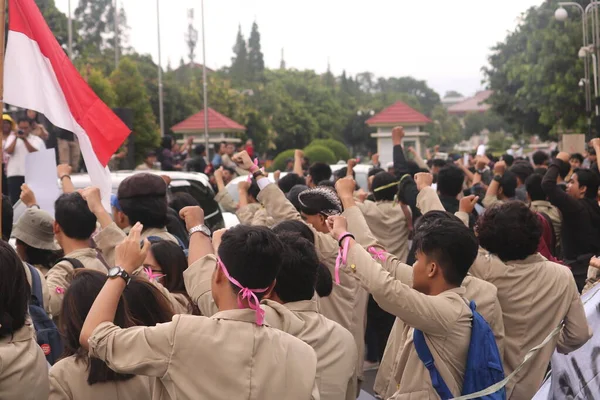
535,295
68,381
490,201
483,293
254,215
108,239
445,320
552,212
59,277
23,366
223,357
388,224
347,303
45,292
333,345
226,201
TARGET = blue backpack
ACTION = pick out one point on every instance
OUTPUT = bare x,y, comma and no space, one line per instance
484,365
154,239
47,334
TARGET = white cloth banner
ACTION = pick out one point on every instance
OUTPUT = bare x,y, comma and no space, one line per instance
576,375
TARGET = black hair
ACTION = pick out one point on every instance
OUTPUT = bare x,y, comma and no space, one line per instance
522,169
591,151
217,147
533,185
7,218
590,180
413,168
166,142
143,199
176,226
510,230
540,158
252,255
439,163
199,149
23,119
181,200
450,244
508,183
319,172
554,153
320,200
146,304
374,171
297,277
384,179
324,285
577,156
35,256
15,291
292,195
74,217
326,183
542,171
342,173
289,181
450,180
508,159
230,170
254,190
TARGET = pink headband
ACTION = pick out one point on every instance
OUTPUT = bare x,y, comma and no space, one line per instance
246,293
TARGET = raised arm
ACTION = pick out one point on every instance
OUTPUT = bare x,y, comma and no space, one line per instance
558,197
491,196
298,160
63,171
427,200
400,165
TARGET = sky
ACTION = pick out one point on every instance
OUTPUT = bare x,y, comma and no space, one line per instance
443,42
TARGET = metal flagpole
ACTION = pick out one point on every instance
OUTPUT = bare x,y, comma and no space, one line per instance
116,34
206,138
2,40
161,116
70,26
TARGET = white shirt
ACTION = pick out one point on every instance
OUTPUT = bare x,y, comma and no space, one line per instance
16,162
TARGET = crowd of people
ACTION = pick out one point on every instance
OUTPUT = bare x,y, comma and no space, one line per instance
417,273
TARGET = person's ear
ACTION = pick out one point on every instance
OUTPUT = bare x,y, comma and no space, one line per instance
269,293
432,269
500,191
56,228
582,190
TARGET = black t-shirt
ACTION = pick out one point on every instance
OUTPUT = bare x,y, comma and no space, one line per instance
65,134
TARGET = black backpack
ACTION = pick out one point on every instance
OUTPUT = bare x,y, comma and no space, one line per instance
47,334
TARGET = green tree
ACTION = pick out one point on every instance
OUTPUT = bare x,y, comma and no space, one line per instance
428,98
453,93
475,123
96,25
256,62
239,63
57,21
102,86
534,74
445,129
131,93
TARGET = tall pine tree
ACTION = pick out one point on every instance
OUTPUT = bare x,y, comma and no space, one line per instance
239,63
96,23
256,62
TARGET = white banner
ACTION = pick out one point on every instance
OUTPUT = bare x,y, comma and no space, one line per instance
577,375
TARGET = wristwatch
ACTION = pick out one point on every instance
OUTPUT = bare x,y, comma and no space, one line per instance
117,272
200,228
498,178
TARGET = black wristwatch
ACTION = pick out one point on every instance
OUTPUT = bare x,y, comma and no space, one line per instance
498,178
118,272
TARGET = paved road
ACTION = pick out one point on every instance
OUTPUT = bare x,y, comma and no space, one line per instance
367,387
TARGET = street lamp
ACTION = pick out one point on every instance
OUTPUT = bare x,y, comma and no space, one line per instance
561,14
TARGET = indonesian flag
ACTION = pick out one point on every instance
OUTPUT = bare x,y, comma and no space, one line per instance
38,75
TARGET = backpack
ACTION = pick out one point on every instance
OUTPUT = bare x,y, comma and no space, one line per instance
484,365
74,262
153,239
47,334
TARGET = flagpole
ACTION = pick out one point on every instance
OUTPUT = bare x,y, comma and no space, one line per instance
2,40
116,18
70,26
206,138
161,113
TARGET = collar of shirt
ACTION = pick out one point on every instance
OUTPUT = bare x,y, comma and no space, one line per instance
87,252
22,335
303,306
532,259
240,315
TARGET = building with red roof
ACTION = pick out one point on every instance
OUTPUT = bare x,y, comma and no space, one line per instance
401,114
220,128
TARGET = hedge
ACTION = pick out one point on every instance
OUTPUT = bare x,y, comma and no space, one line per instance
318,153
280,162
338,148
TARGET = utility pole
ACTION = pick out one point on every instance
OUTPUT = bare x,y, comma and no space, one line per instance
161,115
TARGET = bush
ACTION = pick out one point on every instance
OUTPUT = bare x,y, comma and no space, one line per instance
279,162
317,153
338,148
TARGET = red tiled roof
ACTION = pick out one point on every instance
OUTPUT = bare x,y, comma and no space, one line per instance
472,104
398,113
216,122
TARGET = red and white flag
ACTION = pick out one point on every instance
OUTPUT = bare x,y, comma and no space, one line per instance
39,75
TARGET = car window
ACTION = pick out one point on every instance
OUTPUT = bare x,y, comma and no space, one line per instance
204,196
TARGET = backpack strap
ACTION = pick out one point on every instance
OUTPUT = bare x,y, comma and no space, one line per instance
427,358
37,296
552,245
75,263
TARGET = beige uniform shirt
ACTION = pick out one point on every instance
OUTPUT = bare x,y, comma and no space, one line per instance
445,320
223,357
68,381
388,224
59,277
226,201
535,295
347,303
45,292
552,212
490,201
483,293
108,239
23,366
333,345
254,215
